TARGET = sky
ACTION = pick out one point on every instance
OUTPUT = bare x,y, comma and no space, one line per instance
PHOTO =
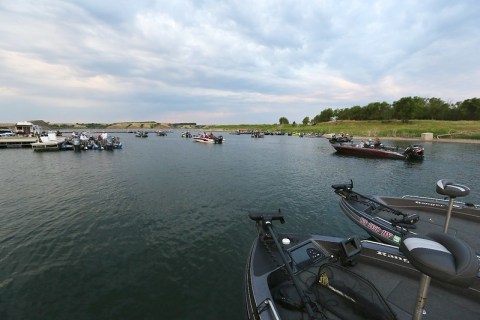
230,62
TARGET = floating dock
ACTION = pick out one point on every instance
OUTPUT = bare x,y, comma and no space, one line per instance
17,142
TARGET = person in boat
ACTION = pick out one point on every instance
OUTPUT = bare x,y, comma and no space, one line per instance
211,135
377,144
361,144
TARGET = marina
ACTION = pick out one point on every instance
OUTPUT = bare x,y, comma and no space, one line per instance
160,229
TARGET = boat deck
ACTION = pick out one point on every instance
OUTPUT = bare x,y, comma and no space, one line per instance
397,284
401,292
464,222
17,142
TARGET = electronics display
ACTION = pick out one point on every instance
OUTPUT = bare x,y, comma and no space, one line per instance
305,255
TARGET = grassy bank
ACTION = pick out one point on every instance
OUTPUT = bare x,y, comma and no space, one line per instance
412,129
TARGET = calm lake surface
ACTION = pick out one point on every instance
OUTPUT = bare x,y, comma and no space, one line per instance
159,230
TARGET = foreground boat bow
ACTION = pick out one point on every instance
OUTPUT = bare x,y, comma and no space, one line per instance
301,276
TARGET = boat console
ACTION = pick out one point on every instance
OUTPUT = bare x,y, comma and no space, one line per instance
305,255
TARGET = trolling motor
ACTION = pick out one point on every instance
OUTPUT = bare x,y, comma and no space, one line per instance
264,221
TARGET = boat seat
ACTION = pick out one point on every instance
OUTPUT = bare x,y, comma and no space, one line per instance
451,189
442,257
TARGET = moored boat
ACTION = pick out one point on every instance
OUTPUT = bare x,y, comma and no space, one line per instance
208,139
186,134
388,218
343,138
412,152
141,134
258,134
303,276
50,143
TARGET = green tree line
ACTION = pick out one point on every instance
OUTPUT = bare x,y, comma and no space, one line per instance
405,109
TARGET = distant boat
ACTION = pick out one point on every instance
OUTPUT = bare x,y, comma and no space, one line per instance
258,134
49,143
141,134
412,152
203,139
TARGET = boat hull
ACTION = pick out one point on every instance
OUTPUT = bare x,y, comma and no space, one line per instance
353,150
373,214
215,140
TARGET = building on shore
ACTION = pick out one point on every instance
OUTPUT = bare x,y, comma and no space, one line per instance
28,129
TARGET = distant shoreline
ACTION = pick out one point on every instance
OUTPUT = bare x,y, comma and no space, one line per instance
394,130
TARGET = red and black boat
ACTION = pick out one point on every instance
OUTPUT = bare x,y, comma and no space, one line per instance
412,152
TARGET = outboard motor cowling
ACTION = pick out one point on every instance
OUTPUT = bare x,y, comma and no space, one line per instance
414,152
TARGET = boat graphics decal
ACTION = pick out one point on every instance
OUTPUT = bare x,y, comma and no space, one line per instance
438,205
392,256
378,230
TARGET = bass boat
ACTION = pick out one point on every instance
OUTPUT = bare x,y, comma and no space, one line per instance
387,219
412,152
303,276
203,139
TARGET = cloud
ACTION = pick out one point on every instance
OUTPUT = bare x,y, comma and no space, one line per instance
229,62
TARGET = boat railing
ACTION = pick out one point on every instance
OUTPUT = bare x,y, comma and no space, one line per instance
273,310
442,201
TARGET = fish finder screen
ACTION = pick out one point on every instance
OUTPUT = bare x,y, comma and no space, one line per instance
305,254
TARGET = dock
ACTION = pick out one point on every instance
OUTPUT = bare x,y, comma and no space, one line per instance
17,142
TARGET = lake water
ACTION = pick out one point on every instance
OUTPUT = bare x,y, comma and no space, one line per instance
159,230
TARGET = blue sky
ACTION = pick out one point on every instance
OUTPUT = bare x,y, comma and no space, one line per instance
230,62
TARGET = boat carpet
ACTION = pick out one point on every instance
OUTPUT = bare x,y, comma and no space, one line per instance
458,308
401,295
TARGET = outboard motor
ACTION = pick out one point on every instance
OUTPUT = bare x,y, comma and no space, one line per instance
414,152
76,144
218,139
